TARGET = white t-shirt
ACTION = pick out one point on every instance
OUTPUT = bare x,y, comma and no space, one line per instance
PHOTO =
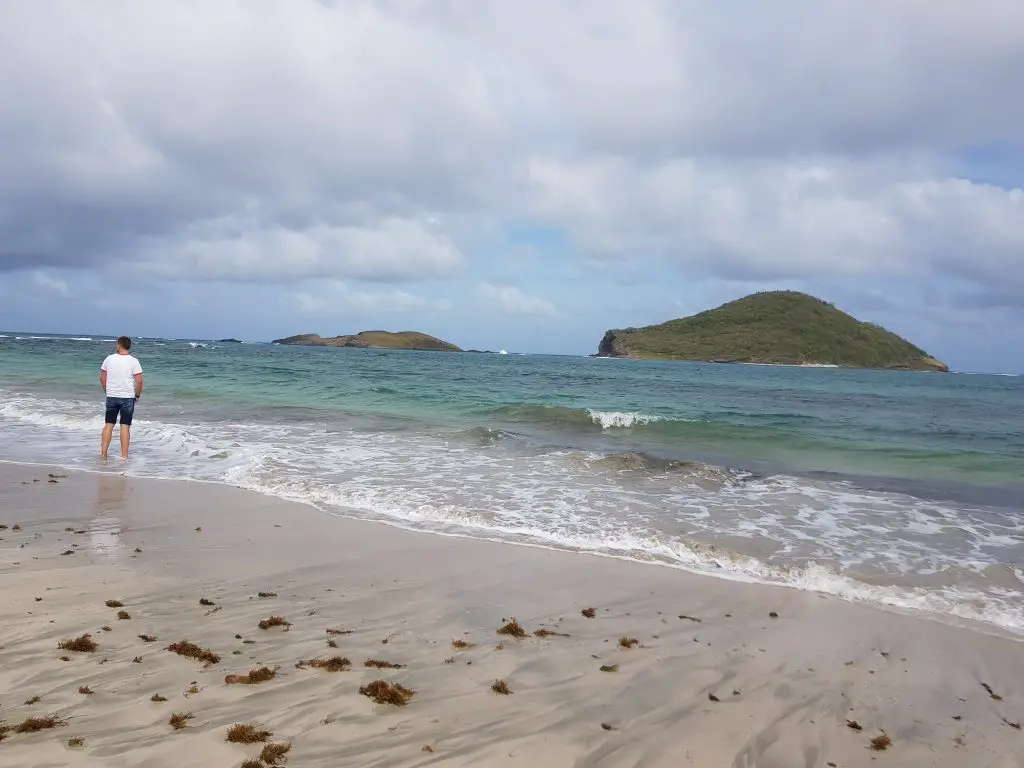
121,370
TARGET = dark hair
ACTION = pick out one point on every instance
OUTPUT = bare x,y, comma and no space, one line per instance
124,343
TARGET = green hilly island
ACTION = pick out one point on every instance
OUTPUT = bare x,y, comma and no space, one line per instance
373,340
773,327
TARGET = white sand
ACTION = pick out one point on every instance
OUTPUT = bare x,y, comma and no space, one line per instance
785,686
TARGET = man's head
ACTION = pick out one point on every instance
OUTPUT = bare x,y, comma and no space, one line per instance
123,342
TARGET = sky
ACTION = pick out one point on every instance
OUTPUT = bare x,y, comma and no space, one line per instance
521,175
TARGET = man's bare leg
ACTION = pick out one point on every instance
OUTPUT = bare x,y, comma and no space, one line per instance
108,434
126,438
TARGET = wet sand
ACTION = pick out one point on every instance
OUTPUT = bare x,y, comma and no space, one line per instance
721,673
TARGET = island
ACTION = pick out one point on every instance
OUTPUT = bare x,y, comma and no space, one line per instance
771,328
373,340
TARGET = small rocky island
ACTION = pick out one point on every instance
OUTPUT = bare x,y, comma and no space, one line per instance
373,340
772,327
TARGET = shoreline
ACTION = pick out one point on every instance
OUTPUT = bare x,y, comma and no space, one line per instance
893,600
715,678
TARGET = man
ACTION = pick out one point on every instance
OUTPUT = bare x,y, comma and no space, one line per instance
121,379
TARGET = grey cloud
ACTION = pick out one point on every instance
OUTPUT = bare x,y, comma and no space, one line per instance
380,141
737,77
778,219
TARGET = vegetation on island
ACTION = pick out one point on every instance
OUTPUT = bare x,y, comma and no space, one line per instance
773,327
374,340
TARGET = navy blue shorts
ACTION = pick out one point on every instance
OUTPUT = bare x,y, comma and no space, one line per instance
120,406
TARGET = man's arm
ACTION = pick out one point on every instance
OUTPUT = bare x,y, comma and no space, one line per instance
103,379
138,385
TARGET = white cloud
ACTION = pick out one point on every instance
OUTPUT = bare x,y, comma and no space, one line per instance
778,219
293,139
512,301
54,284
337,298
243,251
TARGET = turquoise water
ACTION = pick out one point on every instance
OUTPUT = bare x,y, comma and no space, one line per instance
890,487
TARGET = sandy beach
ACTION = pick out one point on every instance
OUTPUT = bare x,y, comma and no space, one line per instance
720,673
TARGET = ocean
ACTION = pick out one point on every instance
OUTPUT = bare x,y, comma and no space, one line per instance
897,489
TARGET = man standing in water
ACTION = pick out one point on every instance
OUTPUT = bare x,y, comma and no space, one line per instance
121,379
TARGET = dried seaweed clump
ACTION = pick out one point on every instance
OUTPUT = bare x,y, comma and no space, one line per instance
114,604
991,693
204,601
384,692
880,743
274,754
82,644
76,742
33,700
35,724
333,664
157,697
589,613
609,667
179,720
548,633
147,638
628,642
274,621
512,629
86,690
266,594
247,733
379,664
500,686
462,645
193,651
252,762
254,676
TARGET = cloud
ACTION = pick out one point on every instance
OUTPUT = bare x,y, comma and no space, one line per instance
292,140
53,284
337,298
775,219
512,301
392,249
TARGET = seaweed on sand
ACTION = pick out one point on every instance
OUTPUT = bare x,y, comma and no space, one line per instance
252,677
333,664
247,733
880,743
193,651
273,754
274,621
548,633
80,644
384,692
34,724
512,629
